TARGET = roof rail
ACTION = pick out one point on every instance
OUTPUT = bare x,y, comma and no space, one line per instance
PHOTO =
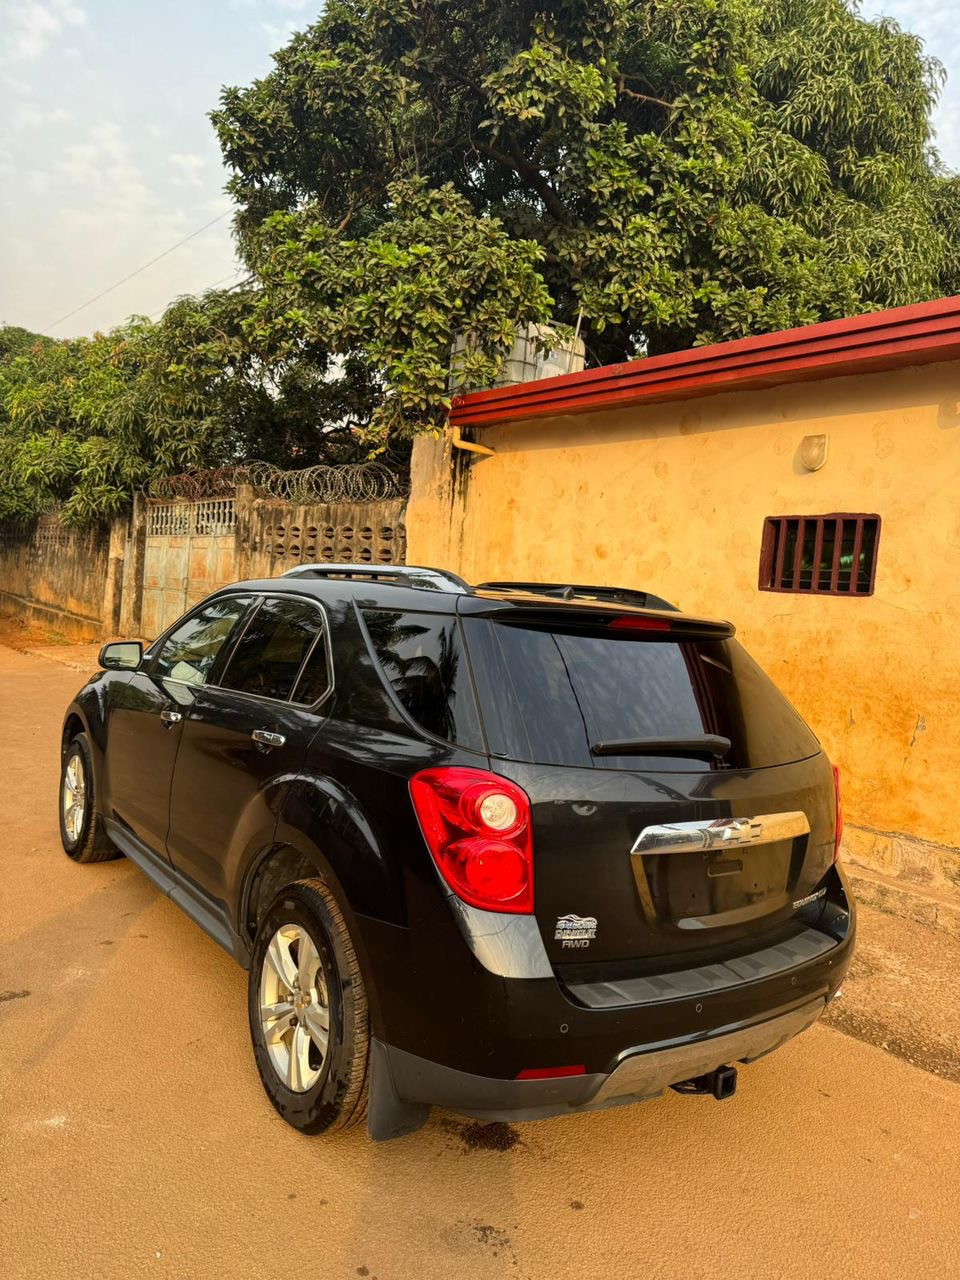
616,595
411,575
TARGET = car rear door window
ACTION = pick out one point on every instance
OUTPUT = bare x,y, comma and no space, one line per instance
315,678
269,656
421,655
189,652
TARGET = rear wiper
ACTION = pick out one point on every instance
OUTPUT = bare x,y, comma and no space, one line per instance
707,746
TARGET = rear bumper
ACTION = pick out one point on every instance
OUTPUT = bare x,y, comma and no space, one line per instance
642,1073
463,1044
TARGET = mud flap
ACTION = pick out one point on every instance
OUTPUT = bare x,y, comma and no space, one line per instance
388,1116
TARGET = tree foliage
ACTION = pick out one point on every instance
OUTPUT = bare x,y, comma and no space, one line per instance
85,423
689,170
416,179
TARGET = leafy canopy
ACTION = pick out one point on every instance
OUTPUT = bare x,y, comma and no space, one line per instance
679,171
416,179
85,423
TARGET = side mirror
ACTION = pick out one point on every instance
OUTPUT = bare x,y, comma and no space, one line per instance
122,655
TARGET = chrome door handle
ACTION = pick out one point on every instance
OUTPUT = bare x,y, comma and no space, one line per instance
170,717
267,739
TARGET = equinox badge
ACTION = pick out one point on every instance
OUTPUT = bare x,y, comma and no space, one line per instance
575,931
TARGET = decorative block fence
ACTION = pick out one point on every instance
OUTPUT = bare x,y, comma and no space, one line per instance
138,575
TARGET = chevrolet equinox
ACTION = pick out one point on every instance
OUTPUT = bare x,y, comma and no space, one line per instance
515,850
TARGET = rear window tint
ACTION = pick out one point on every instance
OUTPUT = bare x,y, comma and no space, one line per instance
547,697
422,658
314,679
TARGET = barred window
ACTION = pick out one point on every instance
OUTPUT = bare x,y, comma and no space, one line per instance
833,555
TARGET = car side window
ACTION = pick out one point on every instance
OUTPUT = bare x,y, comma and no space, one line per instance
316,678
268,657
191,649
422,658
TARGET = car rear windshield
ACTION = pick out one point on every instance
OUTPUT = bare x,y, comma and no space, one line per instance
551,698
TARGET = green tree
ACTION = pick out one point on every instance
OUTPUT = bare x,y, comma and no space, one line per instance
16,341
678,171
85,422
261,397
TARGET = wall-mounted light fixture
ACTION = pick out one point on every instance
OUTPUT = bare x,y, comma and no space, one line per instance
813,452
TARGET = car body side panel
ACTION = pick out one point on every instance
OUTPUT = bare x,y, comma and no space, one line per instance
92,706
227,789
352,801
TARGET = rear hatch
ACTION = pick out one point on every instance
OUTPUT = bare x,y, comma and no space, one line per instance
682,810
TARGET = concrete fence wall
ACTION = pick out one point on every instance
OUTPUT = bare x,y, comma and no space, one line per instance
137,576
62,579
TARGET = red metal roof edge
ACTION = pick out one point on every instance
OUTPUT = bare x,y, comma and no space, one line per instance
919,334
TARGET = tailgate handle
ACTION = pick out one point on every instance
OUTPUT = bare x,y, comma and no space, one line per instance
721,834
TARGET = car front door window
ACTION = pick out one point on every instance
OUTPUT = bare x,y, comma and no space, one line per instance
189,652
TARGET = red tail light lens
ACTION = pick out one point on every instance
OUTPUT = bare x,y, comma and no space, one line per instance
477,827
839,819
550,1073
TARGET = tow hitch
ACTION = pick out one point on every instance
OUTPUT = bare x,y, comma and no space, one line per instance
722,1083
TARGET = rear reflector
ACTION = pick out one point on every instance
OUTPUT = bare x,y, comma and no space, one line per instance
838,828
550,1073
628,623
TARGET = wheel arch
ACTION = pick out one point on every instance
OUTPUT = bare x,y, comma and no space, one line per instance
281,864
324,819
73,723
269,871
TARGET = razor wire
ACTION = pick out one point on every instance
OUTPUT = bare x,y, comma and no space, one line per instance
347,482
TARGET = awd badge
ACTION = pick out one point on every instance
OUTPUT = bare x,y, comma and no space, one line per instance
575,931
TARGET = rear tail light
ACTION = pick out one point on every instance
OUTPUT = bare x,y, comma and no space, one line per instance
838,828
477,828
631,623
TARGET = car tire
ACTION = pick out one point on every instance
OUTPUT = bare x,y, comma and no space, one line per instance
308,1011
81,824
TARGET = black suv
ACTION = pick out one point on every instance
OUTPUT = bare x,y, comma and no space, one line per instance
515,850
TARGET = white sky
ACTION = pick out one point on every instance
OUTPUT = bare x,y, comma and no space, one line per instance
107,157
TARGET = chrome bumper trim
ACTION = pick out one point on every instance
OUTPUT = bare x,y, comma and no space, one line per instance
644,1075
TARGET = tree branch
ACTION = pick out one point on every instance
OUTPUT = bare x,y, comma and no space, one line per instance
644,97
532,176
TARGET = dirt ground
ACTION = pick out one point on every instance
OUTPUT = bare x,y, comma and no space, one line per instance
135,1139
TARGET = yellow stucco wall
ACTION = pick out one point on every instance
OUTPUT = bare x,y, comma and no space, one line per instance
672,498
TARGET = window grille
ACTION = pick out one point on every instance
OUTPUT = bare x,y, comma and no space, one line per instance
833,555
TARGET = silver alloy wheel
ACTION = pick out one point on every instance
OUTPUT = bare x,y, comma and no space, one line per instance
74,797
294,1008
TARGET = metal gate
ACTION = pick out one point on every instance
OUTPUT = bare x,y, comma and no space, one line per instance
189,551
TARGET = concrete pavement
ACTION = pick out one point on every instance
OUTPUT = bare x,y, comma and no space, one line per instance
135,1139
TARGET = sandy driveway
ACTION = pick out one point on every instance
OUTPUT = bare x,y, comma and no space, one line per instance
135,1139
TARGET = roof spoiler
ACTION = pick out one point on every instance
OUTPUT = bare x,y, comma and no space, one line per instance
561,591
602,618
